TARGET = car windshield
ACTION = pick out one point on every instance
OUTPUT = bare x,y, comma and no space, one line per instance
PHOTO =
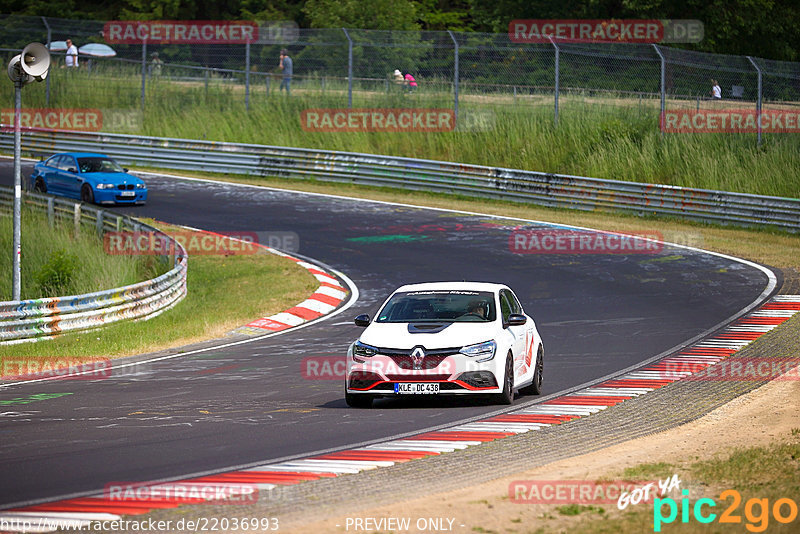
95,164
438,306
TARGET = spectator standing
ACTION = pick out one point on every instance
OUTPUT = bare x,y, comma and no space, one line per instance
716,92
288,69
411,83
71,59
156,65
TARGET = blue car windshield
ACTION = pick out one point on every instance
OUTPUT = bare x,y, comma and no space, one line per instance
437,306
95,164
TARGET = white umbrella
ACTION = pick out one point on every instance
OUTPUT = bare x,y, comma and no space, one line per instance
97,50
58,46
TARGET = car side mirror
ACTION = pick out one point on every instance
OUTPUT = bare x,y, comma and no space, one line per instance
362,320
516,319
72,169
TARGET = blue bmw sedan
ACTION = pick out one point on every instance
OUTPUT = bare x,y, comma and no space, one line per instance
92,178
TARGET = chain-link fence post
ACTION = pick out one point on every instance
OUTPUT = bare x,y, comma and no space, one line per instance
349,69
758,102
663,90
455,76
47,80
247,75
144,71
557,81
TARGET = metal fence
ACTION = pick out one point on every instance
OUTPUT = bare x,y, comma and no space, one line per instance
35,318
554,190
354,67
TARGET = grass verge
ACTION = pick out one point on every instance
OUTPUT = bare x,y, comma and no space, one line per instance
224,292
613,137
58,262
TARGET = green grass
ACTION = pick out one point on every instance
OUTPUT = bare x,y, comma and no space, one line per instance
225,292
650,471
604,137
577,509
56,262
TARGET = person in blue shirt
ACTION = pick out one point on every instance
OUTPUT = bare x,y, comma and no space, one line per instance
288,69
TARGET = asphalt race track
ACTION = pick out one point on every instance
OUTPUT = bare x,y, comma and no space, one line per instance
249,403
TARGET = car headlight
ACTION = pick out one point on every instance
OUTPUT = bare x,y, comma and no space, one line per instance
105,186
140,186
362,350
482,351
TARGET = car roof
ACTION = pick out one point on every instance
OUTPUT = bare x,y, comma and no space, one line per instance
457,286
81,154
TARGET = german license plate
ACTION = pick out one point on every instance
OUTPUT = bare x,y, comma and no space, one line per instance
417,388
128,194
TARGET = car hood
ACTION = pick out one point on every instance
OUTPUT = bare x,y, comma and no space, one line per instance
115,178
429,335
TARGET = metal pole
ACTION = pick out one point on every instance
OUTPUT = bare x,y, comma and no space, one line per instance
557,81
247,76
47,80
349,69
455,76
758,102
17,192
144,71
663,89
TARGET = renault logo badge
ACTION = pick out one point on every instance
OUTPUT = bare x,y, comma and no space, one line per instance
417,355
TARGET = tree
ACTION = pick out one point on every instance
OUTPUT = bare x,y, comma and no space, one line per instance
372,15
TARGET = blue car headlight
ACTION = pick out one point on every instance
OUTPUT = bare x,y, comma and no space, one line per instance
141,186
483,352
105,186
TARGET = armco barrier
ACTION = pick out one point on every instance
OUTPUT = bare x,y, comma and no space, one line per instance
29,319
556,190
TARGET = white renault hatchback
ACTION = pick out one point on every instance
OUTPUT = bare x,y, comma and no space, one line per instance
445,338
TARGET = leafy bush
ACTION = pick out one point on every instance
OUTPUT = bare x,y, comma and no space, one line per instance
55,277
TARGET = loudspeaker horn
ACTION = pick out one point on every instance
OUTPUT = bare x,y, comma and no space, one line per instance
35,61
15,70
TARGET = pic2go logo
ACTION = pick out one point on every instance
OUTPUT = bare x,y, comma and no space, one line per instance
756,511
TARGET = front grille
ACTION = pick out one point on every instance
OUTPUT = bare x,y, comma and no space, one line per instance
433,357
123,187
417,378
428,362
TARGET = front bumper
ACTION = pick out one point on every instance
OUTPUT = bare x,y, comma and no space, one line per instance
455,373
114,196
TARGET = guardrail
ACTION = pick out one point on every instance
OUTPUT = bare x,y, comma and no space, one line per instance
24,320
554,190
